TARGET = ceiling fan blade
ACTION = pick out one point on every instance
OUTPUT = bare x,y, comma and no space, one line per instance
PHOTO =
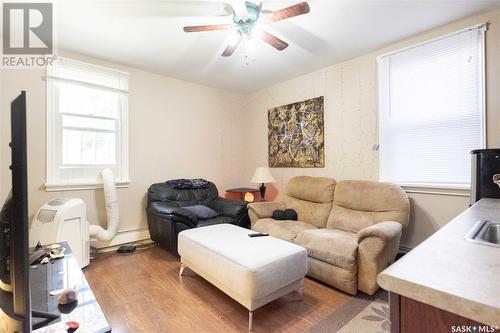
233,44
273,41
240,9
200,28
295,10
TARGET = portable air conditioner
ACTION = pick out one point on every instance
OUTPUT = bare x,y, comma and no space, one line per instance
63,220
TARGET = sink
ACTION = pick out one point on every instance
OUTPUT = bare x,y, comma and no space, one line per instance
485,232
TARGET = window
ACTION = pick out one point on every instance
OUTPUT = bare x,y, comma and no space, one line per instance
432,110
86,124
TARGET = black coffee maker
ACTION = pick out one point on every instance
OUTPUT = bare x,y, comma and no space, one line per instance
485,182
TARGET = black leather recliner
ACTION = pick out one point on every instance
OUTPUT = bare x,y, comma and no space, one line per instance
166,217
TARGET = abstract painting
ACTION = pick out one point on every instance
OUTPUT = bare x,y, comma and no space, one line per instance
296,135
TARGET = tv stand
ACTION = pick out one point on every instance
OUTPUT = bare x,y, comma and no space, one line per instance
48,316
64,273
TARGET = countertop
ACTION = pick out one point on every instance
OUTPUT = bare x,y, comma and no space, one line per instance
450,273
63,273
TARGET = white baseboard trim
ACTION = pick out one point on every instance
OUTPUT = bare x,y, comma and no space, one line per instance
123,237
142,234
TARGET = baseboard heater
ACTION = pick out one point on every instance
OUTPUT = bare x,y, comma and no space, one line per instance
404,249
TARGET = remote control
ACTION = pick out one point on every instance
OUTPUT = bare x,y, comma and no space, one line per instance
260,234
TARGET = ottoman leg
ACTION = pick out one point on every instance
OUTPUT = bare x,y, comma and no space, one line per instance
301,294
183,267
250,321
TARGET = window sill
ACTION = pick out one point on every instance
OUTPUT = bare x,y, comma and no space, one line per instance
437,189
81,186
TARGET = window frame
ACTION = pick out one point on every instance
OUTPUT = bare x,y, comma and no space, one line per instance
54,129
421,187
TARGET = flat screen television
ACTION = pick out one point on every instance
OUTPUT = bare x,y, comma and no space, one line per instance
15,300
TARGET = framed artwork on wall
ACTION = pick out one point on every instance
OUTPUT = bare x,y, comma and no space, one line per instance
296,135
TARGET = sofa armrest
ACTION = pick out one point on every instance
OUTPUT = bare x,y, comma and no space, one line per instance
163,208
230,208
261,210
378,245
385,231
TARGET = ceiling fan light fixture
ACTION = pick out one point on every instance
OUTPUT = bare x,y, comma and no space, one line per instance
256,32
252,13
234,39
248,23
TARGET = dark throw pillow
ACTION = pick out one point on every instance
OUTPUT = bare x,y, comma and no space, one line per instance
188,183
278,214
202,212
287,214
290,214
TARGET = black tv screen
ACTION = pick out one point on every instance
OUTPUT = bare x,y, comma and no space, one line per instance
16,304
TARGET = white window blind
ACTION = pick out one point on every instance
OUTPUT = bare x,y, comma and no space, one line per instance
87,108
432,110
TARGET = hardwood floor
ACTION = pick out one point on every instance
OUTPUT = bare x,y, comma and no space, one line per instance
144,293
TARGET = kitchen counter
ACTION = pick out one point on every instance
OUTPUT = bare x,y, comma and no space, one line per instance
449,273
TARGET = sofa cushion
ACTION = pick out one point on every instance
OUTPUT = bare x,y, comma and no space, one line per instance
314,189
335,247
216,220
311,198
310,212
359,204
286,229
183,197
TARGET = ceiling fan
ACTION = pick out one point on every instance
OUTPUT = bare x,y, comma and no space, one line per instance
246,17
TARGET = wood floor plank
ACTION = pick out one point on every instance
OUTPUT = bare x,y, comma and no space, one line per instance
143,293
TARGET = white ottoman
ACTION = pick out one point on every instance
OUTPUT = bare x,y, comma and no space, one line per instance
252,270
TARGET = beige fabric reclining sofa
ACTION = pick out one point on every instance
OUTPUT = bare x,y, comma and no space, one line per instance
351,229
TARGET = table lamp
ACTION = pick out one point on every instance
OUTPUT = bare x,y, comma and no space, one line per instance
262,175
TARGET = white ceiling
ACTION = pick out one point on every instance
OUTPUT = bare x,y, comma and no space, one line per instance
148,34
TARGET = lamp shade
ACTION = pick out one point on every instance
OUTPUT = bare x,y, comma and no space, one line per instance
262,175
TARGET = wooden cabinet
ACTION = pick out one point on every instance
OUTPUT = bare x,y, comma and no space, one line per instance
411,316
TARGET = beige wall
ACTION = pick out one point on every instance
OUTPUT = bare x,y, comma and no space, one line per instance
176,129
351,108
180,129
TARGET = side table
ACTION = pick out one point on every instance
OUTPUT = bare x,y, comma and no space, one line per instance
242,190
